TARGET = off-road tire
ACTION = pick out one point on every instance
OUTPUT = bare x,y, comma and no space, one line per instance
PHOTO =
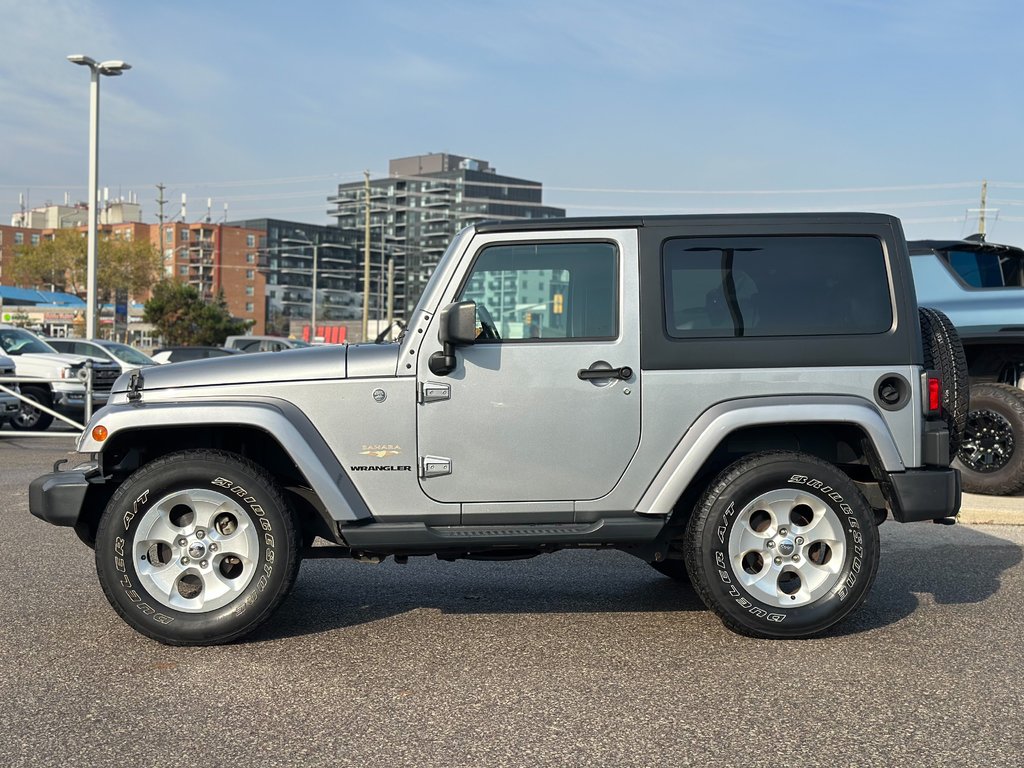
944,353
197,548
991,456
774,519
29,419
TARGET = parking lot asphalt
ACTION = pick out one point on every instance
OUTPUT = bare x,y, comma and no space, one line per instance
575,658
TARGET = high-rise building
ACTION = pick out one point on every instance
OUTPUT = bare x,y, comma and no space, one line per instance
422,204
287,253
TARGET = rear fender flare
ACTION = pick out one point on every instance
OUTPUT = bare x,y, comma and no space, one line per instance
716,423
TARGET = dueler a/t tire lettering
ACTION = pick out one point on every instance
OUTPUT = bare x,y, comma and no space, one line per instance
197,548
782,545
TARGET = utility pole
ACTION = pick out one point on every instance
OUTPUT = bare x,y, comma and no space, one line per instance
160,202
366,258
981,214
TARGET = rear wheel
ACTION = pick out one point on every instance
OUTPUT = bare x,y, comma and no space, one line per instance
991,456
782,545
197,547
29,419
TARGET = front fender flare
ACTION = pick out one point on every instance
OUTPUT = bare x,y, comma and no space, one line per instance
281,420
716,423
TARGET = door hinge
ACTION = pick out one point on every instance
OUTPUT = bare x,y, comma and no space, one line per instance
435,466
433,391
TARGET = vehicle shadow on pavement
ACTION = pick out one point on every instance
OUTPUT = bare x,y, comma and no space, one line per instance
961,565
957,565
333,594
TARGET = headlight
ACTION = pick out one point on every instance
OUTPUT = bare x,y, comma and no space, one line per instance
73,373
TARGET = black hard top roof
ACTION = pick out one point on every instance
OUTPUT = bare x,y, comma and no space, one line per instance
625,222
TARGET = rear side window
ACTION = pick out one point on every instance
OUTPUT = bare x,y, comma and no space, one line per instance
985,269
775,286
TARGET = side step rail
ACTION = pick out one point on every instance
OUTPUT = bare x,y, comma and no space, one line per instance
418,537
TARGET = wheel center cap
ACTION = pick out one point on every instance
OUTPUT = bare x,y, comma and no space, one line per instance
786,548
196,550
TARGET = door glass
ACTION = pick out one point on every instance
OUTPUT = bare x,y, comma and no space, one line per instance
545,292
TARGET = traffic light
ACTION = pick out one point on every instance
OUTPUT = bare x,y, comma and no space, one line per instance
557,305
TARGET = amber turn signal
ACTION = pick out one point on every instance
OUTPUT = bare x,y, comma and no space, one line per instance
99,433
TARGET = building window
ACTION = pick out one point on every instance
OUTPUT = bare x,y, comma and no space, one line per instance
250,274
183,269
250,291
250,241
19,238
35,239
184,235
249,307
168,254
250,258
169,236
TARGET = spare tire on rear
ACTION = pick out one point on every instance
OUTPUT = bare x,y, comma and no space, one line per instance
944,353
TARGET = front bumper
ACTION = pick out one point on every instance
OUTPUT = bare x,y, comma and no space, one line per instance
59,497
924,494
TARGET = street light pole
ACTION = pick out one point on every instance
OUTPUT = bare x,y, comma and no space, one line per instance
312,317
111,69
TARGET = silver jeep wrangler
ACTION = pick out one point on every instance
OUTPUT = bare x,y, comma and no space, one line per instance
738,400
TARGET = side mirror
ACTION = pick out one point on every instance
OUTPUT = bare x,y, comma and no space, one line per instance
458,324
456,328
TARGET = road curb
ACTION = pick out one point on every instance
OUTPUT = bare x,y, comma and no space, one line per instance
991,510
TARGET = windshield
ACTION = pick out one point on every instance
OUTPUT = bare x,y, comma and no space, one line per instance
18,342
128,354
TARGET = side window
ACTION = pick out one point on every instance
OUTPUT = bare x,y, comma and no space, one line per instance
985,269
545,291
775,286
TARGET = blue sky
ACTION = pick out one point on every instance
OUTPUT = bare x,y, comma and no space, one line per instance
647,106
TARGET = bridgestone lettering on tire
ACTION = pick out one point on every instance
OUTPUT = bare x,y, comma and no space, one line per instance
782,545
944,353
991,456
196,548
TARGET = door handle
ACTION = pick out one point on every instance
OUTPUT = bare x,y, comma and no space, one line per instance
586,374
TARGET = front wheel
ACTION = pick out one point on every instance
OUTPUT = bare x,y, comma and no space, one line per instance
782,545
197,548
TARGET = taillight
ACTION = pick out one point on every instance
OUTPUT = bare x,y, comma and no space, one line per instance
934,394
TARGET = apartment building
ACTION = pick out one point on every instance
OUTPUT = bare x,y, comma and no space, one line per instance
422,204
213,258
289,250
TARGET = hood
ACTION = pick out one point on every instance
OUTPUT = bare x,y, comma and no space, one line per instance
327,362
61,358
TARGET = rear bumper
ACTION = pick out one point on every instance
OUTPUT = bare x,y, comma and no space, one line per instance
924,494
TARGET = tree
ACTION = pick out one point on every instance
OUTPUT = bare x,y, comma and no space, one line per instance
181,317
121,265
59,262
